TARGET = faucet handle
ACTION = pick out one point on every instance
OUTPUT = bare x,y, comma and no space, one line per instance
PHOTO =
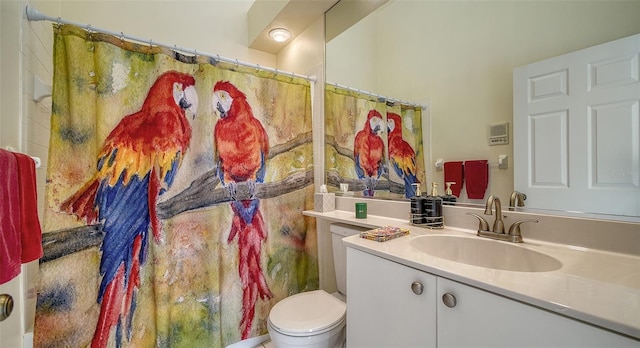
483,225
514,230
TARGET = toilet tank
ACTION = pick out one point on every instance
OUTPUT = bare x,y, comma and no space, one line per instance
339,231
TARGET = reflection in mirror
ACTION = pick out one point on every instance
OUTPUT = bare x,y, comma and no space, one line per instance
373,144
459,56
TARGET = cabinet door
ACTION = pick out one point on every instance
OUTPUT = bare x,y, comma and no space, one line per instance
483,319
382,308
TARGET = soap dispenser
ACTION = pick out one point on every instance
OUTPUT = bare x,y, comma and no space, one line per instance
449,198
434,208
418,205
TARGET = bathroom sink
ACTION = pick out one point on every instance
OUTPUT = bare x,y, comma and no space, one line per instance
485,253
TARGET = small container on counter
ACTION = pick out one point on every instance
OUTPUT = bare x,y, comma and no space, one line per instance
418,205
361,210
449,198
433,209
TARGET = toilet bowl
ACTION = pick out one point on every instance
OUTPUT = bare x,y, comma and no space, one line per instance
313,319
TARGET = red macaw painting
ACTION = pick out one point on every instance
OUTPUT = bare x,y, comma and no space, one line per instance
368,152
137,163
401,154
242,147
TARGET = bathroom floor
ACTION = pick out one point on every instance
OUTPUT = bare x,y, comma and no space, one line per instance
265,344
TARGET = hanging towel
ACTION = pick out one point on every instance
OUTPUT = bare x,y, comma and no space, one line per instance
30,231
454,172
9,217
477,177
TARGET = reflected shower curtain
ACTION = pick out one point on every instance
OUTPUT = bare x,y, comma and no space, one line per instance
406,149
175,191
373,145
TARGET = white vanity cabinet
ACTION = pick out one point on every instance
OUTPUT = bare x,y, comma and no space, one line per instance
480,318
383,311
388,304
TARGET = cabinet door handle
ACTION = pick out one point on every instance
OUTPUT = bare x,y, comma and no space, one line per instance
449,300
417,288
6,306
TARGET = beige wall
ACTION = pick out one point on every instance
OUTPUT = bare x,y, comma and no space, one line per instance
305,55
459,56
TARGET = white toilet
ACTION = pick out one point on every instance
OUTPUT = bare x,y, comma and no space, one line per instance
315,319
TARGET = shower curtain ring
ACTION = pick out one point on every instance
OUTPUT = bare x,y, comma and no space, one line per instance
89,32
150,43
257,67
237,63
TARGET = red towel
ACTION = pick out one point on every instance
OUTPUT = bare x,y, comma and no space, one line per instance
477,175
9,217
29,224
454,172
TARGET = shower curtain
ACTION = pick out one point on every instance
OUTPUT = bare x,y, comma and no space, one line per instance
373,145
175,191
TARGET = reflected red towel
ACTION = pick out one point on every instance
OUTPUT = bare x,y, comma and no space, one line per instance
454,172
9,217
477,176
30,231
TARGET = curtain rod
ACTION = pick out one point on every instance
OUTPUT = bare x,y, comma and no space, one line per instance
35,15
381,98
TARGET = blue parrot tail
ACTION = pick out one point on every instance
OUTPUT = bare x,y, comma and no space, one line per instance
124,210
359,170
246,209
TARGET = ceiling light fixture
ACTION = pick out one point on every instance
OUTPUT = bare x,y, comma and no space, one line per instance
279,34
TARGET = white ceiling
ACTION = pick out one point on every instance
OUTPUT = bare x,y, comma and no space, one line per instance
294,15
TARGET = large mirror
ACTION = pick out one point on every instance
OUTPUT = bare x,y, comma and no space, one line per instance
458,57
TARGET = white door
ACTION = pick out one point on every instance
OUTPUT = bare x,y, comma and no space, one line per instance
577,130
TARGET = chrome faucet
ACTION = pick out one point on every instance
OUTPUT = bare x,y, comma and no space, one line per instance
497,231
517,199
498,224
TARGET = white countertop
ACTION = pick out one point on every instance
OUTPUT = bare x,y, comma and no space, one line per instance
597,287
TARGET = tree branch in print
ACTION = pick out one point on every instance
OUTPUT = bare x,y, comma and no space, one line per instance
202,193
334,179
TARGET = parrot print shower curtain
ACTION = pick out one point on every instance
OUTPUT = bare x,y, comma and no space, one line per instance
373,145
175,191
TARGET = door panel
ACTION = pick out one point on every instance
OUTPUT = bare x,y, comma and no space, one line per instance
577,130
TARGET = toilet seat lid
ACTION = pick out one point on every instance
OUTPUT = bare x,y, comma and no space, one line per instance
311,312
